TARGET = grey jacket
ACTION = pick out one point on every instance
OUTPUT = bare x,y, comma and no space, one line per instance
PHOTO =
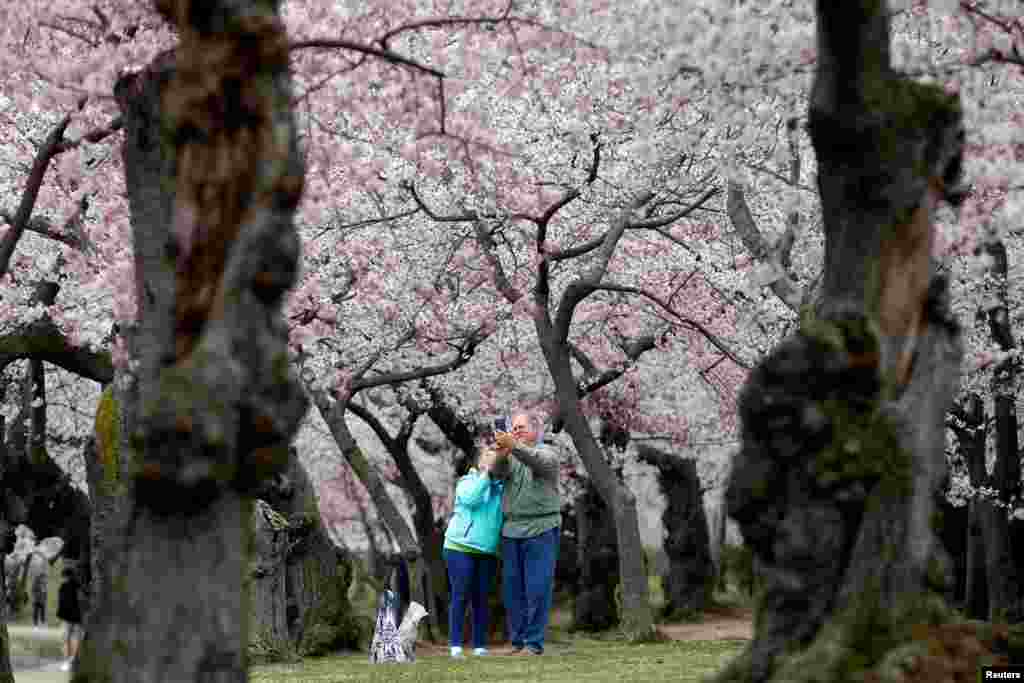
531,502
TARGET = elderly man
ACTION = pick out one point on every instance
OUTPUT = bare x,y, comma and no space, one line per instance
529,535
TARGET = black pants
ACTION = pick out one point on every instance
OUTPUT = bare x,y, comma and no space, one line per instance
38,613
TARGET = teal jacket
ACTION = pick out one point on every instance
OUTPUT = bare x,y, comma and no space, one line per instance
476,522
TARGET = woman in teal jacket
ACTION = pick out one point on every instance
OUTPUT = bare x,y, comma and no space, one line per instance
471,550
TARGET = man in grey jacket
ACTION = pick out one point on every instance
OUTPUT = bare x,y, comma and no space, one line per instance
530,533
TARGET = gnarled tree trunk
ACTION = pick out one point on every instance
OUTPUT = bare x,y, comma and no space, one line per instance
844,423
690,577
300,578
212,203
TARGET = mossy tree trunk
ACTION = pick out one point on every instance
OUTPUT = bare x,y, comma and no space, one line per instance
215,404
315,574
843,424
689,581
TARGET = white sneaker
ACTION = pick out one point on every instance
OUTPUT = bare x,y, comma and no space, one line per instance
66,666
457,652
480,652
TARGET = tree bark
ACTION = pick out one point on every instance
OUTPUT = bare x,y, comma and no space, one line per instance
212,206
300,576
1005,583
972,436
689,581
1005,576
843,424
636,617
595,603
334,415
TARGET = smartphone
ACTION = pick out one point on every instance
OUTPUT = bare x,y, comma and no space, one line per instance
501,424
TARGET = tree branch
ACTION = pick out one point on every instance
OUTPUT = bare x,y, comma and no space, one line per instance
465,353
633,350
49,149
42,340
659,222
373,422
783,285
362,48
585,285
501,280
693,324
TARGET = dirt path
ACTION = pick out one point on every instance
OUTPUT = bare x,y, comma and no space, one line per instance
719,624
729,623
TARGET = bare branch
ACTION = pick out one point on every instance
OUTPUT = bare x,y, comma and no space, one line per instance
362,48
368,222
462,356
693,324
661,221
452,218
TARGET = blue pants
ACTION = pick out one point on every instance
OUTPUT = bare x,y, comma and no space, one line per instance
470,578
529,582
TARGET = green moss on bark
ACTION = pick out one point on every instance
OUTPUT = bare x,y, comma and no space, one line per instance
108,441
865,448
331,626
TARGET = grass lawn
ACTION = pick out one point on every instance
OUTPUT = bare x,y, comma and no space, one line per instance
576,659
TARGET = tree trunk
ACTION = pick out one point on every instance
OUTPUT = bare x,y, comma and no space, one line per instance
972,436
953,534
689,581
567,569
6,546
1005,587
637,619
300,578
269,637
595,607
431,541
844,424
6,672
216,404
318,574
1005,576
334,415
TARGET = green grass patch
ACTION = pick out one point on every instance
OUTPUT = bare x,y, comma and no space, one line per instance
591,660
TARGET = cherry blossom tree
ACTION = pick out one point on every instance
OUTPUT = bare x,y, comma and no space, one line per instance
214,406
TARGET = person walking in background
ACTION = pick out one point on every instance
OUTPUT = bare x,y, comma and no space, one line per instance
37,567
530,533
470,551
69,611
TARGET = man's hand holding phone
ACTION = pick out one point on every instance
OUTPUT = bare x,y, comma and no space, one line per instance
503,438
